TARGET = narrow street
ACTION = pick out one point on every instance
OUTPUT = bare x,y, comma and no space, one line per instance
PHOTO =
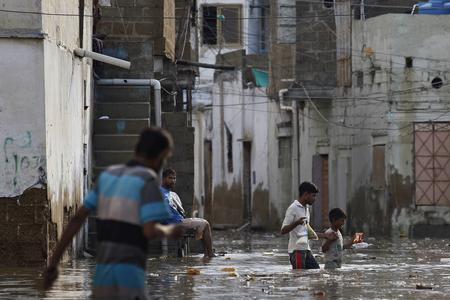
386,270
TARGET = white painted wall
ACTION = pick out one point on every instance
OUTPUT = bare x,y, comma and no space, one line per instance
67,91
22,121
44,91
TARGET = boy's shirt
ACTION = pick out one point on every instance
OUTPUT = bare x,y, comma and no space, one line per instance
333,257
298,237
124,199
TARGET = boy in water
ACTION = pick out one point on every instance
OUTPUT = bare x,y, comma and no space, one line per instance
296,223
334,249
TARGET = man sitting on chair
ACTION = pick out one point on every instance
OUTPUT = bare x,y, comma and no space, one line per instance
201,226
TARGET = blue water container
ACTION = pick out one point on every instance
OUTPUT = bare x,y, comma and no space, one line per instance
434,7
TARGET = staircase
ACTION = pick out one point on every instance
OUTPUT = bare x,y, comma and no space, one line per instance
121,112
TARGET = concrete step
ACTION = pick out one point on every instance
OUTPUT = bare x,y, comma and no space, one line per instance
120,126
108,158
123,93
115,142
122,110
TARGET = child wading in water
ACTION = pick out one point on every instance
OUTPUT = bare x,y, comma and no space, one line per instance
334,249
296,223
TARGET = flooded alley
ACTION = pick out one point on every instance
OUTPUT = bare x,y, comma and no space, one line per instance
256,266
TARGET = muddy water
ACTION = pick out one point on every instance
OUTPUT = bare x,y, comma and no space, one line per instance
258,268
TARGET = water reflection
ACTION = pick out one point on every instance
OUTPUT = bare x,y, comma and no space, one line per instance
258,268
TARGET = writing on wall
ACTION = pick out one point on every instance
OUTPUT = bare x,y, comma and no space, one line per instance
24,163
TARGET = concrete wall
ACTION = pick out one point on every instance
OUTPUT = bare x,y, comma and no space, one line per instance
385,99
251,117
22,111
45,109
20,23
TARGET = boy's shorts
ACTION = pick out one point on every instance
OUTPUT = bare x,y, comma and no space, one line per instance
303,259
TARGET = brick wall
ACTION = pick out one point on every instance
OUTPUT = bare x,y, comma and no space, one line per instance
24,228
141,20
183,157
316,45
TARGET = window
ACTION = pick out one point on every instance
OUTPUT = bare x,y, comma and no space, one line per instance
328,3
431,163
229,149
221,25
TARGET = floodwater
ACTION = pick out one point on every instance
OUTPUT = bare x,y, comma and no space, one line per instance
258,268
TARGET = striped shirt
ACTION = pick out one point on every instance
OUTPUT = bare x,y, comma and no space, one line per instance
125,198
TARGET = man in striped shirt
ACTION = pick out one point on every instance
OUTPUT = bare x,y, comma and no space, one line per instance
129,207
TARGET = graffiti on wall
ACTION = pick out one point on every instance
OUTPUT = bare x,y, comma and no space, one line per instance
24,163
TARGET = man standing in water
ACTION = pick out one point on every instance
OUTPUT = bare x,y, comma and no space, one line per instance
296,223
128,205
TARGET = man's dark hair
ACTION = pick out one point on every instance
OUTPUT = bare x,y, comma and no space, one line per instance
307,187
336,214
152,142
168,172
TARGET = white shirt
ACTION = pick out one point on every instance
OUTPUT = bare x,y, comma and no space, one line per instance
298,237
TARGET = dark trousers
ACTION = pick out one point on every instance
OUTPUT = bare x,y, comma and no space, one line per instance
303,259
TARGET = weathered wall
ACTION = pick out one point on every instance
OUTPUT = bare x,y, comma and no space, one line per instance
22,110
182,160
45,92
20,23
67,101
141,20
251,118
386,98
23,218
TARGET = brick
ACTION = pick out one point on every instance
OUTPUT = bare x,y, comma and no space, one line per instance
148,29
8,233
31,233
111,12
3,213
150,3
20,214
105,27
41,214
123,28
127,3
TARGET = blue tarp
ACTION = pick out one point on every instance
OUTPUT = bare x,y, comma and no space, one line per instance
261,77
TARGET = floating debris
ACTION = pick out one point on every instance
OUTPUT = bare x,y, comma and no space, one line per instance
319,294
420,286
229,269
193,271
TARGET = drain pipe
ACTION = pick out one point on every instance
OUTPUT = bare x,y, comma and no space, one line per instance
103,58
293,109
281,97
140,82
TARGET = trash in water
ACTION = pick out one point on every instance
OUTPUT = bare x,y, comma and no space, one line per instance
228,269
232,274
360,245
319,294
445,259
227,257
193,271
104,118
268,253
420,286
221,253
